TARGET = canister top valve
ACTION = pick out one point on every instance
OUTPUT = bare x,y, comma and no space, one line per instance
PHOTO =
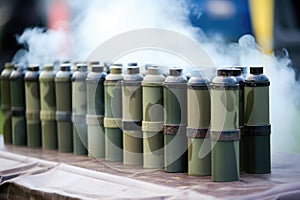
256,70
176,71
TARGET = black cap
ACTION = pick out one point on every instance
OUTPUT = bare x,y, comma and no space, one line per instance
132,64
224,72
82,67
133,70
34,68
236,72
117,64
97,68
65,67
176,71
256,70
94,63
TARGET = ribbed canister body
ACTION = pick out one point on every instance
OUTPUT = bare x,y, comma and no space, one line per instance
17,94
6,103
79,108
113,115
48,107
225,133
175,139
153,119
132,117
95,111
198,109
63,93
32,97
257,122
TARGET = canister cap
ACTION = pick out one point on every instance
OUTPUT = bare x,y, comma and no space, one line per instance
133,70
117,64
256,70
82,67
49,67
236,72
154,70
9,65
34,67
65,67
224,72
175,71
97,68
243,69
132,64
116,69
94,63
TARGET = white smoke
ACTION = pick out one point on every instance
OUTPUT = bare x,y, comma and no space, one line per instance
96,21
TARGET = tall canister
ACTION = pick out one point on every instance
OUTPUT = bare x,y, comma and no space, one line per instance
132,116
224,129
79,106
113,114
63,93
95,111
153,119
198,107
48,107
32,97
6,103
17,94
257,122
175,139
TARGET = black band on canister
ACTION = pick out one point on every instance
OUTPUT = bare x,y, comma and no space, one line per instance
257,130
174,129
175,85
132,125
197,132
257,84
224,87
225,136
62,116
17,111
198,87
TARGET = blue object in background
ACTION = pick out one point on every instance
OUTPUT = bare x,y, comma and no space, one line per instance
228,18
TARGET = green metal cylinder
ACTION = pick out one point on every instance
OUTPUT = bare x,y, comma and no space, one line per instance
239,72
132,116
198,109
17,94
63,93
95,111
32,97
175,139
79,108
48,107
224,132
6,103
113,114
257,122
153,119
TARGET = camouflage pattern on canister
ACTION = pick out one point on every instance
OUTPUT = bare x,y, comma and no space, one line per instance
239,72
95,111
17,94
175,139
113,114
48,107
198,122
257,122
224,127
63,93
153,119
79,106
32,97
6,103
132,116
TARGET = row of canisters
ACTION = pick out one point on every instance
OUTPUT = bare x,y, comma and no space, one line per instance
198,126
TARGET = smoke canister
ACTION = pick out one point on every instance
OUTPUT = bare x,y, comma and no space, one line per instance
175,139
79,108
153,119
132,116
17,94
95,111
198,122
224,133
63,93
48,107
113,114
32,97
257,123
238,73
6,103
